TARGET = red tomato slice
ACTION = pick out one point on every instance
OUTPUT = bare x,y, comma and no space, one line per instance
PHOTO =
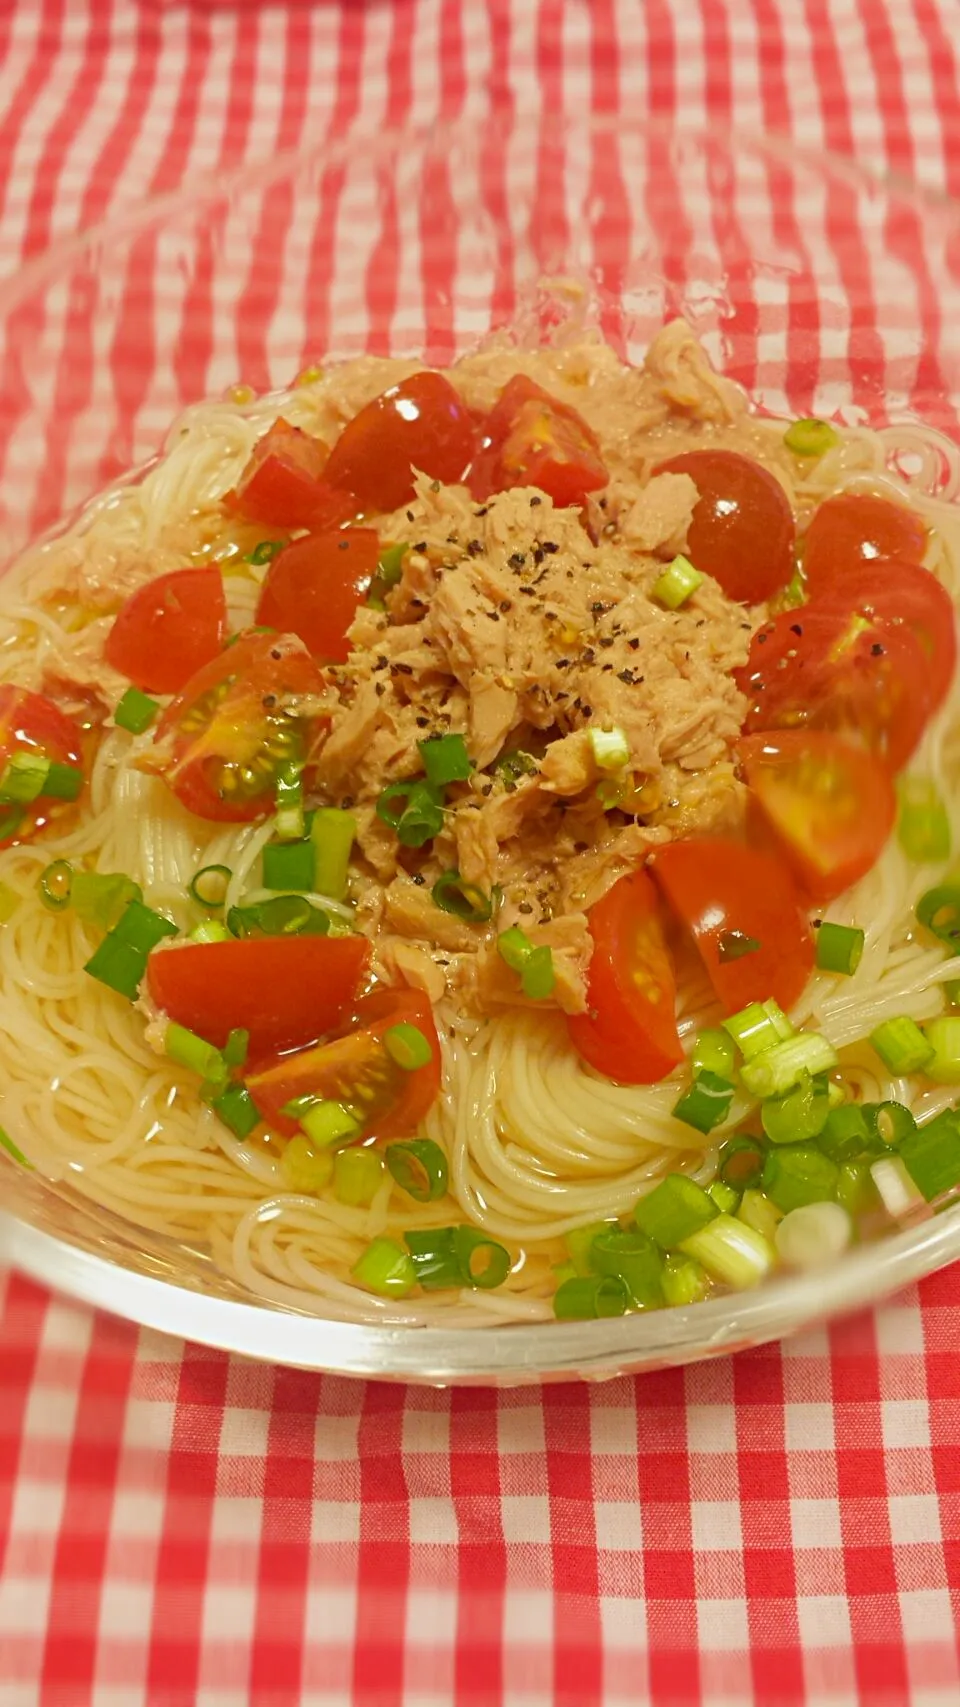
169,629
419,424
904,594
356,1069
629,1031
314,586
282,486
532,439
731,897
853,529
828,668
221,742
742,532
831,806
31,723
286,991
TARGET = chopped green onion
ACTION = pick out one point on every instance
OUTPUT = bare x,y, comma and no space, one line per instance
135,711
731,1252
10,822
810,437
236,1046
419,1167
537,977
635,1260
414,810
265,551
332,833
725,1196
435,1257
238,1111
856,1189
357,1177
390,565
121,959
683,1281
510,767
923,827
140,927
758,1027
845,1133
800,1114
406,1045
290,825
813,1235
888,1122
189,1050
939,911
943,1035
24,778
673,1210
740,1161
6,1142
453,894
64,782
713,1052
895,1187
483,1261
283,915
951,991
611,749
798,1173
328,1122
584,1299
385,1268
706,1104
101,897
304,1168
757,1211
675,585
931,1154
733,945
55,884
210,930
901,1045
445,759
839,948
208,886
579,1243
777,1070
514,947
562,1271
288,865
9,902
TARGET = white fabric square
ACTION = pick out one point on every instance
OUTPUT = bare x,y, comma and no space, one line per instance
67,1327
520,1429
900,1330
244,1432
37,1507
50,1413
432,1618
528,1618
433,1522
426,1431
330,1615
722,1625
905,1422
228,1608
24,1605
234,1518
137,1514
809,1427
613,1429
149,1423
824,1621
815,1523
711,1428
927,1615
336,1520
914,1518
526,1517
335,1438
716,1525
125,1608
619,1525
623,1623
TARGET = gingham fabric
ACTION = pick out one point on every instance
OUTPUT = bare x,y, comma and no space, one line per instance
177,1527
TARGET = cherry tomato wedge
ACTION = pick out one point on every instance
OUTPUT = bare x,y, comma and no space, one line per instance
629,1031
314,586
830,805
532,439
907,595
419,424
830,668
745,915
356,1069
853,529
742,532
282,485
222,741
169,629
286,991
31,723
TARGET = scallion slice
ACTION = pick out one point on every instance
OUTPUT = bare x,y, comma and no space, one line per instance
839,948
845,1132
684,1281
390,564
11,819
943,1035
435,1257
898,1193
189,1050
385,1268
674,587
798,1115
726,1197
856,1189
510,767
484,1262
713,1052
414,810
923,827
931,1154
514,947
121,959
419,1167
673,1210
289,796
887,1123
304,1167
610,747
939,912
283,915
810,437
707,1102
813,1235
798,1173
634,1259
537,975
265,551
583,1299
101,897
406,1045
208,886
740,1161
758,1027
236,1046
210,930
445,759
756,1211
579,1243
24,778
135,711
777,1070
901,1045
453,894
288,865
55,883
238,1111
328,1122
332,834
731,1252
357,1177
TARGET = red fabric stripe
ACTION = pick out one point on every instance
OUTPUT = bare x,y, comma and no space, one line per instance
34,80
283,1567
475,1490
383,1556
670,1592
23,1310
770,1583
578,1652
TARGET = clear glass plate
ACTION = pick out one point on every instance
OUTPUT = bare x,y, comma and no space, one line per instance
820,290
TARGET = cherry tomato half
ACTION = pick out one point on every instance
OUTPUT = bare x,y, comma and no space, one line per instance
220,744
853,529
532,439
907,595
745,915
314,586
830,668
286,991
282,485
356,1069
419,424
31,723
629,1031
169,629
742,532
831,806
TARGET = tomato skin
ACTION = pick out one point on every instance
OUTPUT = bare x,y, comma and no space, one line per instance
830,805
629,1031
742,532
825,667
31,723
282,486
421,424
716,887
532,439
909,596
854,529
314,586
169,629
220,719
355,1068
286,991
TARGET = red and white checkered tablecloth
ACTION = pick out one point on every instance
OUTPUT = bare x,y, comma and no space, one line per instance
178,1527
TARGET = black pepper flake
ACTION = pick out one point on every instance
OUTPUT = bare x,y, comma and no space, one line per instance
410,516
549,546
401,669
796,628
561,695
598,607
434,485
876,650
759,638
587,656
347,803
505,606
525,907
586,710
343,545
626,676
518,559
493,615
487,789
382,661
633,642
562,663
537,555
580,847
534,502
528,590
481,512
605,667
576,703
605,640
379,689
422,722
269,701
416,604
418,878
475,547
422,546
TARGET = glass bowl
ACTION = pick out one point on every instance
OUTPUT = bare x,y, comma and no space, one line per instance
821,290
